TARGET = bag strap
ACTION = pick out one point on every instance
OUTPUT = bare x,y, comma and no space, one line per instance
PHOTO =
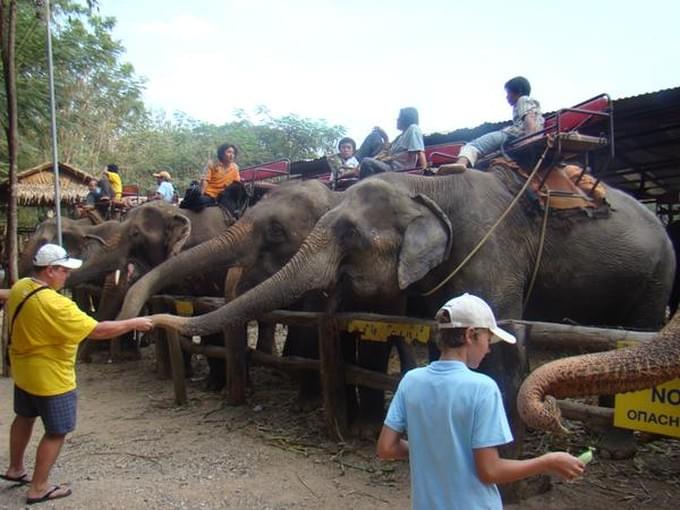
19,307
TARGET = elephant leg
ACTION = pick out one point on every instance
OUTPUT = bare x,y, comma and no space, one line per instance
304,342
373,356
216,366
407,358
349,357
265,337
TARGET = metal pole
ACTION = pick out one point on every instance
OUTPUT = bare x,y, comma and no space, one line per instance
53,114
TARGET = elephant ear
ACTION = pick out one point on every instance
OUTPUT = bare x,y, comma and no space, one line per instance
177,230
426,244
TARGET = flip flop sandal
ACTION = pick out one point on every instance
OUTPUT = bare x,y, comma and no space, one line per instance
50,495
19,480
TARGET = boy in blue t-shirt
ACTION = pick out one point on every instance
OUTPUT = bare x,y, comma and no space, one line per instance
455,420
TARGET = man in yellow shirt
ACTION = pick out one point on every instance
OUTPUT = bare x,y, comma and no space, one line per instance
45,329
113,176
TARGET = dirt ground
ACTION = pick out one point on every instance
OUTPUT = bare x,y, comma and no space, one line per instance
135,449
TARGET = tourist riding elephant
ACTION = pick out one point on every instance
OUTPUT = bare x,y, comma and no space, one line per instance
257,246
604,373
395,235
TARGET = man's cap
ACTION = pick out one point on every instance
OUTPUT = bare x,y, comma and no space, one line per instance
468,311
163,174
55,255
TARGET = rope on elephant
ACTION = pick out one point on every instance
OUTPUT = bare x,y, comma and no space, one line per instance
539,253
492,229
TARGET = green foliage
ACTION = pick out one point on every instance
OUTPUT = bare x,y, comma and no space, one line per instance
184,146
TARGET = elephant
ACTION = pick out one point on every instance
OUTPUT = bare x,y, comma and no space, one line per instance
395,236
152,232
79,238
673,230
629,369
256,247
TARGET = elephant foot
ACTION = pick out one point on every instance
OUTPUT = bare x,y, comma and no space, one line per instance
617,444
368,430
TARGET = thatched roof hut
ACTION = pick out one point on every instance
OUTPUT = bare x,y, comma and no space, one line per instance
36,185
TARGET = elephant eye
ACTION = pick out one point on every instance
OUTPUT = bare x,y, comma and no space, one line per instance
276,231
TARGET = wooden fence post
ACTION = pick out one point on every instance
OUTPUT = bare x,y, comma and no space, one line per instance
163,368
235,343
177,366
332,378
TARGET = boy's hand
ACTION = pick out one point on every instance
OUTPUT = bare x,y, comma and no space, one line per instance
564,465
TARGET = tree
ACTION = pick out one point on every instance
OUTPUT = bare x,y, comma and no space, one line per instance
8,11
98,95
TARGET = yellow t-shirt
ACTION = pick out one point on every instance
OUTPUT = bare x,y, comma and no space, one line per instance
219,177
116,183
45,339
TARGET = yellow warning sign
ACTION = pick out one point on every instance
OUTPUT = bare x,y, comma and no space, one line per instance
381,331
184,308
654,410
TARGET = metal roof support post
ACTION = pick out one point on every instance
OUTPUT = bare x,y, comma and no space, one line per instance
53,126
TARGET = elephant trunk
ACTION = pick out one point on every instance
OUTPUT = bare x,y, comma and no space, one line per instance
604,373
312,268
221,251
97,265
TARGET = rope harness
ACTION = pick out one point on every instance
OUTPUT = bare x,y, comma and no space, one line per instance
486,237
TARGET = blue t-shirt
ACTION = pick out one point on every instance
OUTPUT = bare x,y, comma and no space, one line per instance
166,190
448,410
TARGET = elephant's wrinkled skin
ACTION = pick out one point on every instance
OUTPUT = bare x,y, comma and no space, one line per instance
152,233
80,239
258,245
396,233
603,373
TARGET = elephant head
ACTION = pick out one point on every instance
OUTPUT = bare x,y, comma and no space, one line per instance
603,373
80,239
380,239
150,233
260,243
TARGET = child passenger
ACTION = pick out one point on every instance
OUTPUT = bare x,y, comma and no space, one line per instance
526,119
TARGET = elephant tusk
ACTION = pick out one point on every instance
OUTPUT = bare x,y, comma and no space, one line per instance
116,277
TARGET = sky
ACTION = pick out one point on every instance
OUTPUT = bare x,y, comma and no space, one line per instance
357,62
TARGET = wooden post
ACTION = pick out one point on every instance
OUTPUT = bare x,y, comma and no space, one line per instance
235,343
163,368
332,378
177,366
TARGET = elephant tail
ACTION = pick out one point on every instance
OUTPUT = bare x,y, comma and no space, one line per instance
604,373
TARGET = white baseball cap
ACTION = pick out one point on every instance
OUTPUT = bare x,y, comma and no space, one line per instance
468,311
55,255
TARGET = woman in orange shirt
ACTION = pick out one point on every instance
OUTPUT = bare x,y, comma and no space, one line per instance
221,173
